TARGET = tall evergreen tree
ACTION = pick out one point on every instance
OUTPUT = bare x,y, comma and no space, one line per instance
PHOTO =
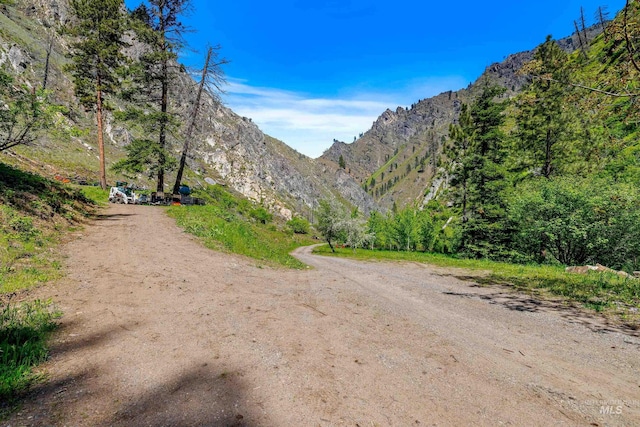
543,117
461,135
95,57
485,233
159,27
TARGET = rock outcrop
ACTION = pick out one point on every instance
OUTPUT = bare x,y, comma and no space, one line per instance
227,147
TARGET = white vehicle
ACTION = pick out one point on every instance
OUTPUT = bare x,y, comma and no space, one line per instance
121,195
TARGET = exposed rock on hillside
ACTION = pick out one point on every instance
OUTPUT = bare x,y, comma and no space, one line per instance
226,146
396,160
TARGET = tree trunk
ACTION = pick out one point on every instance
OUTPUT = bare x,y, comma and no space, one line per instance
603,23
192,123
163,124
547,154
464,200
331,246
582,43
584,27
103,173
46,63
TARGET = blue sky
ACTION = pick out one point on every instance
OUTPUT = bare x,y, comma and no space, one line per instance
310,71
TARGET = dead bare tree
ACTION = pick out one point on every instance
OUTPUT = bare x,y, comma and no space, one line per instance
602,16
583,22
583,43
211,81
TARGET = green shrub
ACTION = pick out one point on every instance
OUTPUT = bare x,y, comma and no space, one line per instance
298,225
575,221
24,226
261,215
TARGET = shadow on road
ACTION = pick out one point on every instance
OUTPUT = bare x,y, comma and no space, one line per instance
573,312
111,217
201,395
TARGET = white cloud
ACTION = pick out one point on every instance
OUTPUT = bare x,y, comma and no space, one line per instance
309,124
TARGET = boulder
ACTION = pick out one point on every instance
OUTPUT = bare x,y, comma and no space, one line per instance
584,269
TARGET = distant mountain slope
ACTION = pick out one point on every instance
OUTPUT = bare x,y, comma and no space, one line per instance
229,148
396,161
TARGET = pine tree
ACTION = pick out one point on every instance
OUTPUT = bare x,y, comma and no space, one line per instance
341,162
158,26
485,233
461,135
544,119
96,57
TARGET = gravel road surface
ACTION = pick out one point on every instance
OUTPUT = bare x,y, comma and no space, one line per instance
160,331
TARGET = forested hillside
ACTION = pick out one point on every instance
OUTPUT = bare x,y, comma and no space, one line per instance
549,175
397,160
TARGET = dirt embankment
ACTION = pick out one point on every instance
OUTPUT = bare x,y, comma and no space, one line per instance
159,331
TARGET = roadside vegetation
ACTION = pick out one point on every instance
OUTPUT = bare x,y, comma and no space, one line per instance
538,182
24,328
232,224
34,213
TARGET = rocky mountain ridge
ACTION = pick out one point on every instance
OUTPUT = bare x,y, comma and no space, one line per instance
227,147
396,160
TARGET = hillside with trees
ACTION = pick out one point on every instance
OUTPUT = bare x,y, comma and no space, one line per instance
489,192
397,161
103,98
549,174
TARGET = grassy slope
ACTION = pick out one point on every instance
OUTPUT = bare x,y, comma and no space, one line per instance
34,215
608,68
227,224
598,291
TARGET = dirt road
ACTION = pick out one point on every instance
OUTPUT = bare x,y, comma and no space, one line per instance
159,331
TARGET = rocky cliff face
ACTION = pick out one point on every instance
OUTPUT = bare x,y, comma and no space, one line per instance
227,147
235,151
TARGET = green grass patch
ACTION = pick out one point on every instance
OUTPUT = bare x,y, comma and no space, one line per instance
24,329
228,224
96,195
34,214
597,291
